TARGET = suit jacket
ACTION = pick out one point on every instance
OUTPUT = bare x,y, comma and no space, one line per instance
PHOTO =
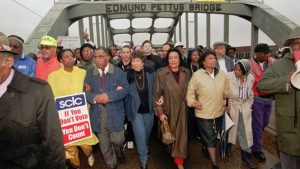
113,80
228,63
30,132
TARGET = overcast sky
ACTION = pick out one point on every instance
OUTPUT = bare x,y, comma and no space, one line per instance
20,17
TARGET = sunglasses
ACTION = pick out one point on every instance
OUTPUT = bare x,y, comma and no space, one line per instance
44,47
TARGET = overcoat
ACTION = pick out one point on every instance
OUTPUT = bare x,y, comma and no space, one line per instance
287,104
237,105
174,107
114,79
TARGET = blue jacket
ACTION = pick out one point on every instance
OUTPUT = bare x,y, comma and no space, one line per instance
25,64
132,101
114,78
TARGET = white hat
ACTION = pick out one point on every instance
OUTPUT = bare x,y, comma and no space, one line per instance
125,44
179,44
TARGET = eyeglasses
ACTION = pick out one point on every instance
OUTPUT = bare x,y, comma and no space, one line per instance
44,47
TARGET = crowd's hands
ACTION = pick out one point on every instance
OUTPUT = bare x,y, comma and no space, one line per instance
68,155
227,109
226,96
289,77
197,105
88,88
101,98
160,101
163,117
85,34
119,88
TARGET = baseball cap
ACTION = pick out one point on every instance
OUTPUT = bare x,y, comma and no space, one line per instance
48,40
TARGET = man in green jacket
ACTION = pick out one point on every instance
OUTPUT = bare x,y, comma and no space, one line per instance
277,80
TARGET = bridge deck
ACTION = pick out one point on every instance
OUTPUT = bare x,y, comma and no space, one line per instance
160,159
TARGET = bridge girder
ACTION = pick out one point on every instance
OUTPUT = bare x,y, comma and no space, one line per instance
63,14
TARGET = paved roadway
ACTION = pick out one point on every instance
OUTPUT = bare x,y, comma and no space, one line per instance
159,158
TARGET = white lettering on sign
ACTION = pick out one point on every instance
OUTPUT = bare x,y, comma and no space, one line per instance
67,131
76,135
70,102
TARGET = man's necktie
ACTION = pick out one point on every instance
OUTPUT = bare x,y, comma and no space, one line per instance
102,78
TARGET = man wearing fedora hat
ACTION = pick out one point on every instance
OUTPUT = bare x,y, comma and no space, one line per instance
277,80
225,63
31,136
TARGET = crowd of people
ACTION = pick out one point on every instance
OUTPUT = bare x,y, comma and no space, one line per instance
138,85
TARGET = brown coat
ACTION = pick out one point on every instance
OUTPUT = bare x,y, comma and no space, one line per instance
174,106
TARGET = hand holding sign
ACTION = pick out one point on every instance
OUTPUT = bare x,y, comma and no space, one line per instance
88,88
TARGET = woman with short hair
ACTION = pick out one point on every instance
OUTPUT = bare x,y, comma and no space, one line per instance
170,86
193,63
139,103
68,80
206,93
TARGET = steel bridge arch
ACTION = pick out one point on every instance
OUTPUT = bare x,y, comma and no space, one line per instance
63,14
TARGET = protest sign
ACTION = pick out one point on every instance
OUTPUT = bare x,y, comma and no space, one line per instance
74,117
69,42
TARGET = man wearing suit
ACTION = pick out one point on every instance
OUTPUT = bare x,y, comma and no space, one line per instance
106,87
225,63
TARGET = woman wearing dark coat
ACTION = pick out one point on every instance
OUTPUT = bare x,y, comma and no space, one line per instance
193,64
170,88
139,103
193,60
